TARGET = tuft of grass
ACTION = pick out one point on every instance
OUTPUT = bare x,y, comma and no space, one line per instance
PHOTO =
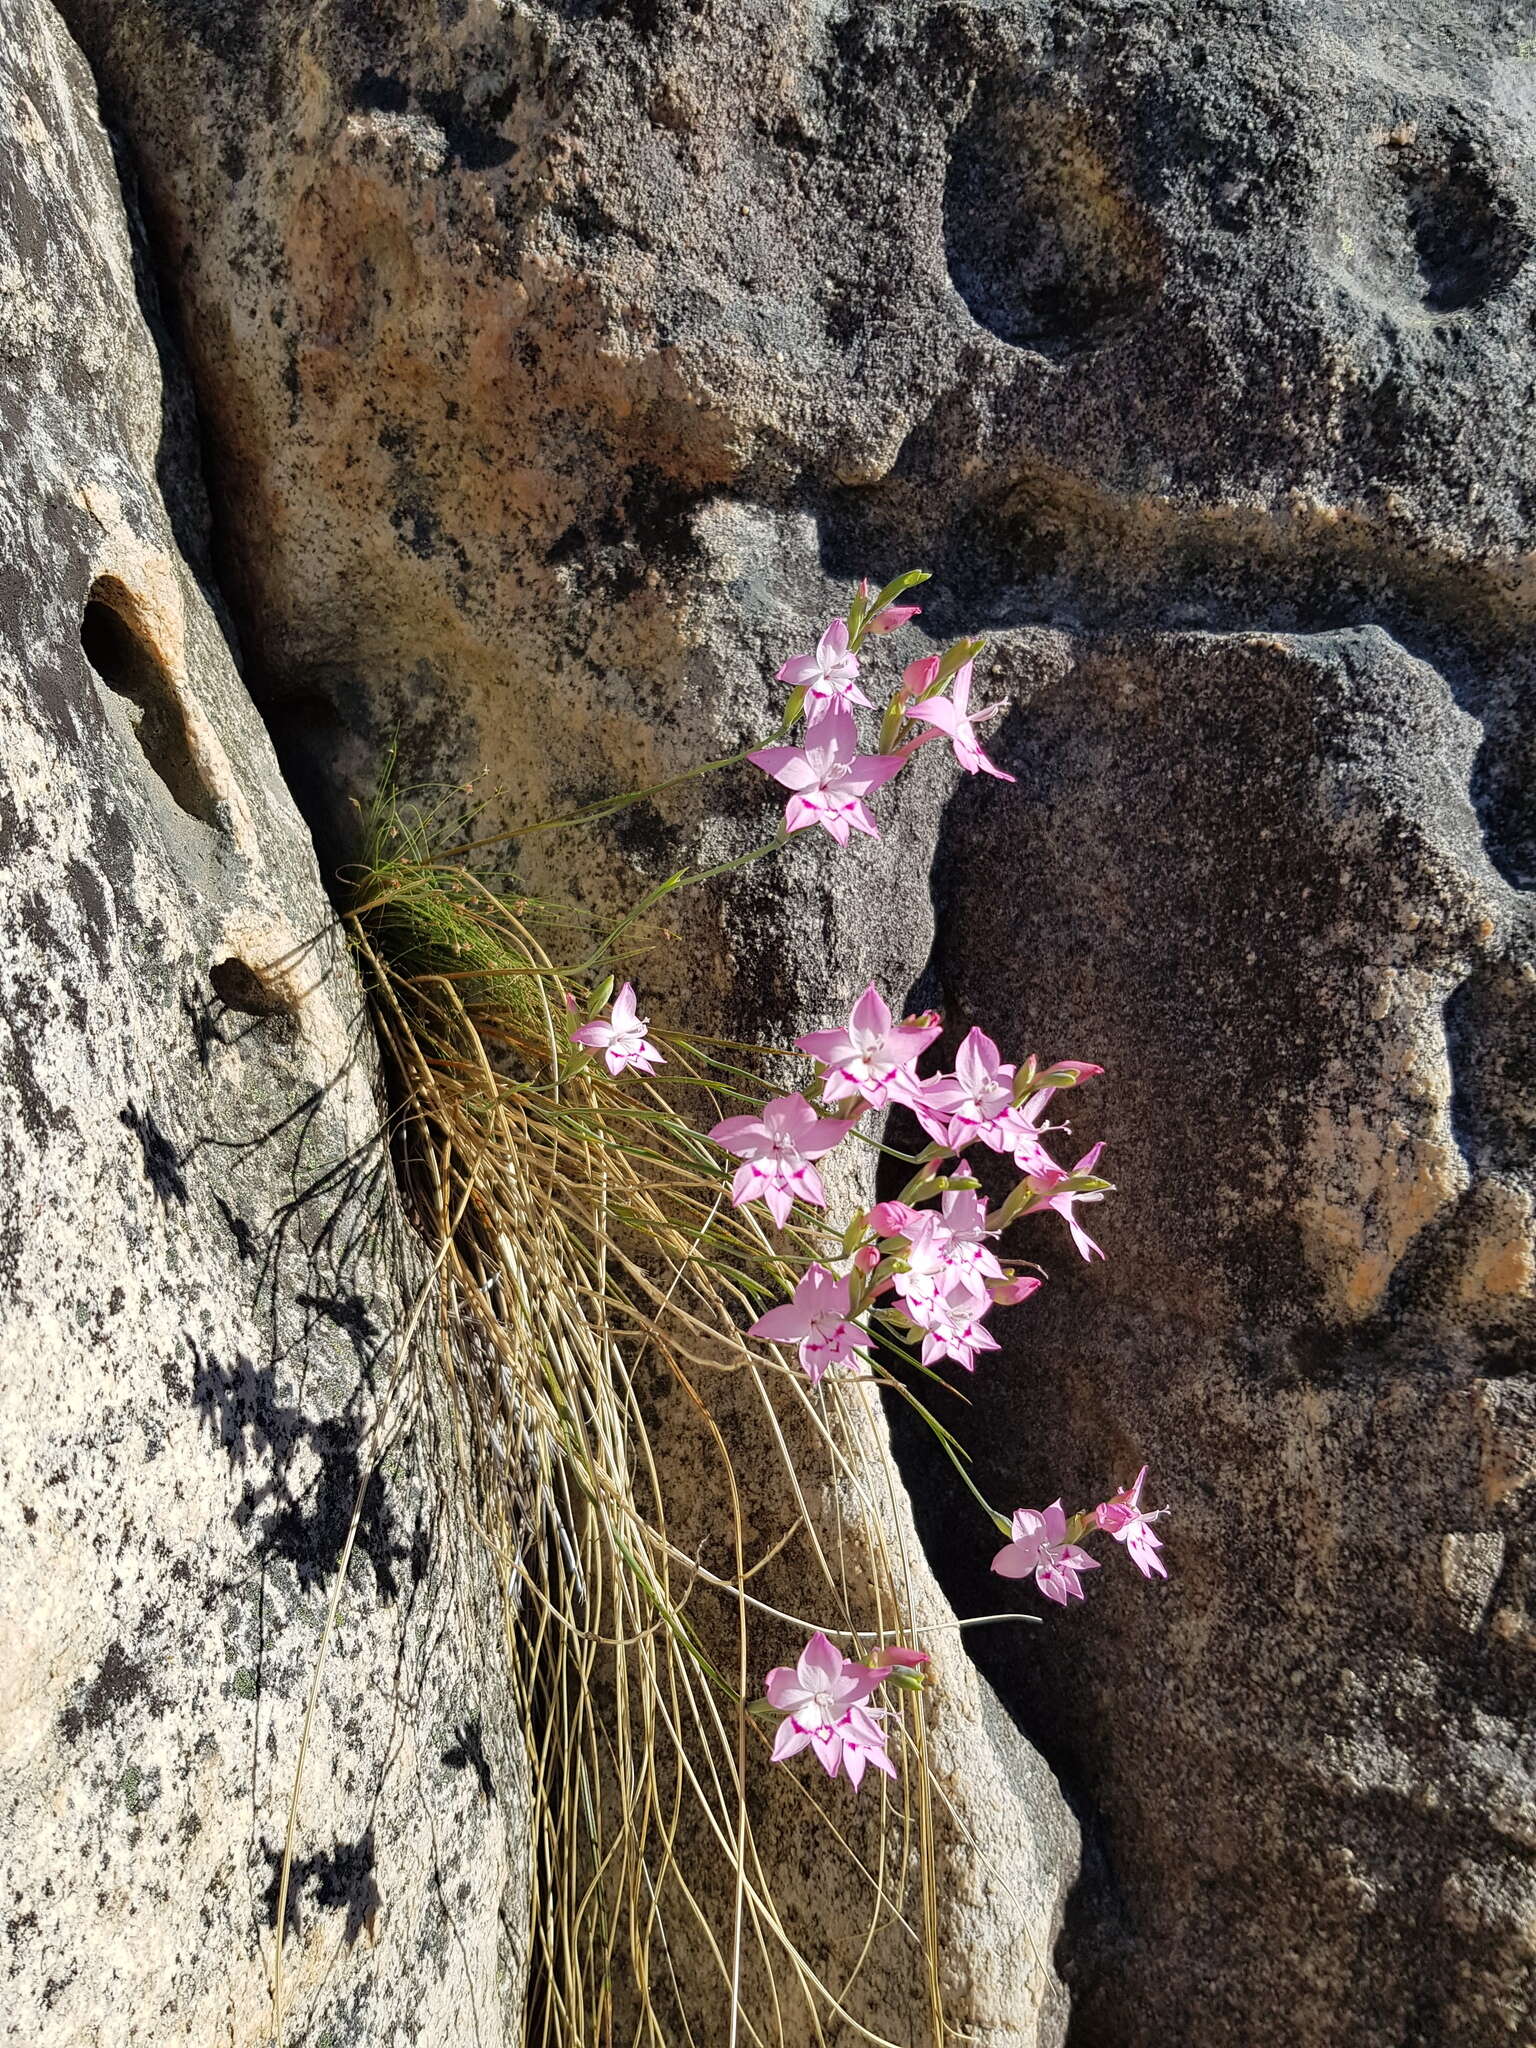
655,1491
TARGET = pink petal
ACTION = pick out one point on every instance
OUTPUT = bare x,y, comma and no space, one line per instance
1018,1559
870,772
738,1130
826,1047
1083,1241
937,712
820,1663
870,1013
786,1325
799,670
789,1741
774,760
784,1689
801,811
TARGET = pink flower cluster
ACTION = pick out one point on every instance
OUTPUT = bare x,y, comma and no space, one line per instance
825,1701
826,775
1045,1543
936,1264
923,1263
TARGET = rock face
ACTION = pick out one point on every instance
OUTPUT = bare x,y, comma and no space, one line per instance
556,361
204,1278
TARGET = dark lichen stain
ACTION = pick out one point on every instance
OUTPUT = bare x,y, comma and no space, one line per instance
95,912
120,1681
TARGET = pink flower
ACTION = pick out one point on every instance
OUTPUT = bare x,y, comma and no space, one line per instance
952,716
899,1659
829,777
1040,1546
1127,1521
942,1265
818,1320
823,1685
861,1058
951,1322
973,1101
621,1040
827,676
1046,1182
928,1260
778,1148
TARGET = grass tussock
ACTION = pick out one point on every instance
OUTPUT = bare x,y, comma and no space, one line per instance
670,1509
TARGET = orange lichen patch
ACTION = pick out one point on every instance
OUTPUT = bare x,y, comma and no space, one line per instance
1375,1183
1502,1261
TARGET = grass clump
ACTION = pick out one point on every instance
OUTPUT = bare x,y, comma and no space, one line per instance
658,1495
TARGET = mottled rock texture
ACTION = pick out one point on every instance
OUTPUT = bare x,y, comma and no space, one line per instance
557,361
203,1274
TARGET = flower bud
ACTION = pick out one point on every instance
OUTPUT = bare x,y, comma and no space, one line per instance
890,1219
1018,1287
918,677
893,618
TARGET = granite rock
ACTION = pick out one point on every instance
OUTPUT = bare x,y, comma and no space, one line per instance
560,362
205,1275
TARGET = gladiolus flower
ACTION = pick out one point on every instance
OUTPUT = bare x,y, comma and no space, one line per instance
829,777
778,1149
823,1685
953,717
861,1058
824,1704
621,1037
972,1102
941,1262
827,676
1046,1182
951,1322
1040,1546
818,1321
1129,1523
